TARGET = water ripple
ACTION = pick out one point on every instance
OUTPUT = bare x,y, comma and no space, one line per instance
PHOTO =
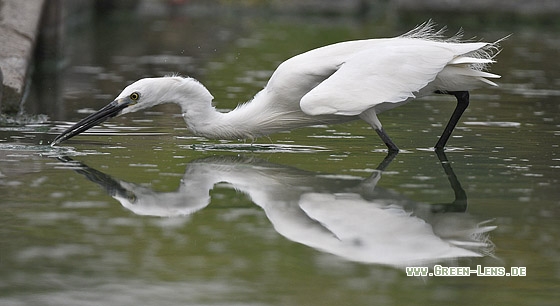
493,123
256,148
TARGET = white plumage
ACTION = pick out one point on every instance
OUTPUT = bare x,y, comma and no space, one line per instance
331,84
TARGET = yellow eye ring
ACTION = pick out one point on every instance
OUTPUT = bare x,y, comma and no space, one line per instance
134,96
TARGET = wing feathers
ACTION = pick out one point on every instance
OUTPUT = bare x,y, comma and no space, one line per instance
395,70
386,73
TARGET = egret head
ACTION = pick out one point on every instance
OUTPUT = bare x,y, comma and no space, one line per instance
142,94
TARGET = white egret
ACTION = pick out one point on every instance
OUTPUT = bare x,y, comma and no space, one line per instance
332,84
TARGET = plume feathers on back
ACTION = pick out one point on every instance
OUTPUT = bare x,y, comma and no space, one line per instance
350,77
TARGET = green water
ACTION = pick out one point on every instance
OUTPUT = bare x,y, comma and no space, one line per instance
140,212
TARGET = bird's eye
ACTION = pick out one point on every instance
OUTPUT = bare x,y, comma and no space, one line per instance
134,96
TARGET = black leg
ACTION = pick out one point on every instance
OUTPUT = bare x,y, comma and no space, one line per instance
460,202
387,160
387,140
462,104
372,180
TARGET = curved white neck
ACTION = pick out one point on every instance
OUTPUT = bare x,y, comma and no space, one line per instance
268,112
246,121
250,120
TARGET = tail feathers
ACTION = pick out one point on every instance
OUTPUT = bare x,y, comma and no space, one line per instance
475,73
473,67
468,71
469,67
470,60
487,82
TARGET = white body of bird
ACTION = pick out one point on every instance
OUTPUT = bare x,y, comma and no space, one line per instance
331,84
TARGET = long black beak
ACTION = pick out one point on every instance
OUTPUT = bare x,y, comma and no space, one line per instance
109,111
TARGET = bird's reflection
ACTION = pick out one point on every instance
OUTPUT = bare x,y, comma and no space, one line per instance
346,216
